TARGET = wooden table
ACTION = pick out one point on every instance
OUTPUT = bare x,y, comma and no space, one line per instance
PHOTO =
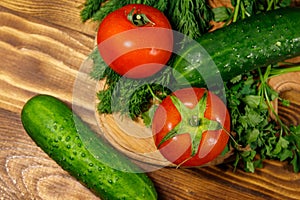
42,46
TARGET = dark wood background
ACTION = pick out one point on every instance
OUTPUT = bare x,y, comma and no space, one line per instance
42,46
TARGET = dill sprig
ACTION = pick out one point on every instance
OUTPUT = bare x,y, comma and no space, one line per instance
90,8
190,17
131,97
97,10
106,8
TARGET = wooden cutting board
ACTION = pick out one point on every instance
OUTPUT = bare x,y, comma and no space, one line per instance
42,47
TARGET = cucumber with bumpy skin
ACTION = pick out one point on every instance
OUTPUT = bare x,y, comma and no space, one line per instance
243,46
59,132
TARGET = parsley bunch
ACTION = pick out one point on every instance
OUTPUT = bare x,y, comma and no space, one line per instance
257,137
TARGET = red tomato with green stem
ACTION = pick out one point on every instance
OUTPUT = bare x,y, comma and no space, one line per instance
136,41
191,127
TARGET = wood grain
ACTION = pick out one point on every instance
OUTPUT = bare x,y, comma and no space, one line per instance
37,56
27,172
42,47
287,85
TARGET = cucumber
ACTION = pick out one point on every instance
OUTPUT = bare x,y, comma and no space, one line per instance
257,41
60,133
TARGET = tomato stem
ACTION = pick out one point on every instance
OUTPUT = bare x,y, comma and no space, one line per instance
195,121
138,19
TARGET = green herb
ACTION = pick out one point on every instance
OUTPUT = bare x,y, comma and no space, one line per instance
247,8
258,137
98,9
190,17
222,13
90,8
130,97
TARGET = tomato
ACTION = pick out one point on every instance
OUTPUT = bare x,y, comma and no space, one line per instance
136,40
191,127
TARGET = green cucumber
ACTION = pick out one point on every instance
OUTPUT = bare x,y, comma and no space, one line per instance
257,41
59,132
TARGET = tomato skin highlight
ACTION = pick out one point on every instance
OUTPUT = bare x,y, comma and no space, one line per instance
178,149
135,51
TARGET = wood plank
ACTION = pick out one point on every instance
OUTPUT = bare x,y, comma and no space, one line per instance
219,182
65,13
27,172
38,59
